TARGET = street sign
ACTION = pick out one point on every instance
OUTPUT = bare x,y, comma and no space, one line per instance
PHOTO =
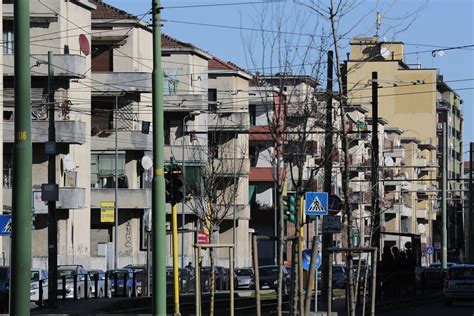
429,250
107,212
307,259
332,224
202,237
316,203
5,225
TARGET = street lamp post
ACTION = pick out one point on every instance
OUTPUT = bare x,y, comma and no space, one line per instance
190,115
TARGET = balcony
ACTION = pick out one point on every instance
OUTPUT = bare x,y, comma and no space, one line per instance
420,162
422,213
192,153
126,140
69,198
127,198
231,167
117,82
394,152
443,105
399,208
228,122
67,132
65,65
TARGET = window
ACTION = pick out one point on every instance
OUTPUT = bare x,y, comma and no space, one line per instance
167,132
8,39
102,58
253,156
253,114
212,100
213,145
103,170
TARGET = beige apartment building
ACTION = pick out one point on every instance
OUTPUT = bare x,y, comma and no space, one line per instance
54,28
103,124
415,100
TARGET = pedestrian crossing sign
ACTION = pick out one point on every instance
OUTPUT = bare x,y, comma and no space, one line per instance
316,203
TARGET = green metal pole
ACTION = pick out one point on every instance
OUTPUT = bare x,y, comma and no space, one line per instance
52,222
22,170
158,194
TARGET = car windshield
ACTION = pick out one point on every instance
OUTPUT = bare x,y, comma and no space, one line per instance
244,272
34,276
268,271
462,274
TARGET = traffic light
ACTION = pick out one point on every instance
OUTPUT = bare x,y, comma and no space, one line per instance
168,183
289,207
174,183
177,185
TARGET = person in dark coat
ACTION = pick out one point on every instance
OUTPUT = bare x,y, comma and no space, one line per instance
386,269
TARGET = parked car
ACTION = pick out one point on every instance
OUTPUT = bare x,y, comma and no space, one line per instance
459,283
437,265
69,272
339,276
124,278
101,285
38,275
4,288
268,277
244,279
140,273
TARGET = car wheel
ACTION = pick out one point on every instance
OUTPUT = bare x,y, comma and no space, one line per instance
448,302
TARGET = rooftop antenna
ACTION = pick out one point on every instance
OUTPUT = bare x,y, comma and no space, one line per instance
378,23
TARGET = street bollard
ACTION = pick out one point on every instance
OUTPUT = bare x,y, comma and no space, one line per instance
86,286
106,286
64,287
125,279
40,293
116,284
96,285
134,284
75,286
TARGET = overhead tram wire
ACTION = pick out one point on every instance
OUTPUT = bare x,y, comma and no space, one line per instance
224,4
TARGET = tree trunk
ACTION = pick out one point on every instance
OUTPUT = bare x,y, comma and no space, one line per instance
212,289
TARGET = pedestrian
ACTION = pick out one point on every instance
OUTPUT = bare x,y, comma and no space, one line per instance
396,272
386,270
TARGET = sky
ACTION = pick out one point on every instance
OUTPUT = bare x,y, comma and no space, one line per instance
423,25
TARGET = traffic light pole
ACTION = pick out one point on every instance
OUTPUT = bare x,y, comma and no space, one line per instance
328,144
22,166
470,217
158,189
52,222
174,211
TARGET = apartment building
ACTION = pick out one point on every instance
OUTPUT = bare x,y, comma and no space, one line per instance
54,28
408,100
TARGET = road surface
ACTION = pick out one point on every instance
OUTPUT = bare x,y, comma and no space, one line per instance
432,309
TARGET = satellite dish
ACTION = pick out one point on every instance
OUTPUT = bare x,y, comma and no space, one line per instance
389,162
84,45
385,52
68,163
421,228
147,163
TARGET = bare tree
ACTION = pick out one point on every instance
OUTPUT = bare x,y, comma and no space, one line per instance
215,189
